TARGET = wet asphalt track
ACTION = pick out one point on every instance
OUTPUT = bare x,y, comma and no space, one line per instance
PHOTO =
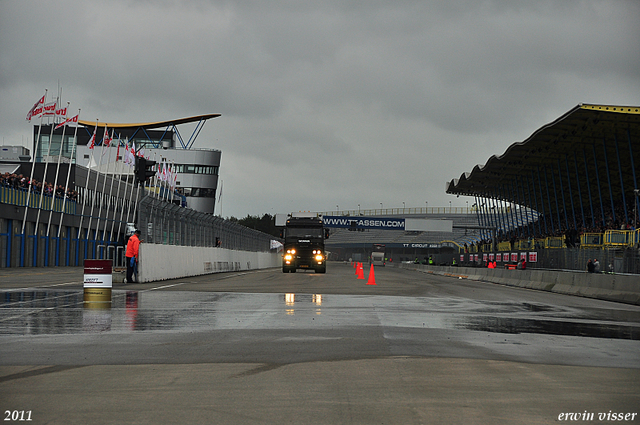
423,346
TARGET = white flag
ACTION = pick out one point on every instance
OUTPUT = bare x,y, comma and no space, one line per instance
36,109
49,109
68,121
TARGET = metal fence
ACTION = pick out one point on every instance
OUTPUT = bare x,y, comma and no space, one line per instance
615,260
161,222
169,224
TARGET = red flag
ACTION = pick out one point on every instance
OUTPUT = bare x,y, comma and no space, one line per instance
118,152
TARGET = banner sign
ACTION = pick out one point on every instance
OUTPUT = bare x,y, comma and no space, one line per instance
363,222
97,274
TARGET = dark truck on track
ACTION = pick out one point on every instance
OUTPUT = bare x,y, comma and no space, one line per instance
304,236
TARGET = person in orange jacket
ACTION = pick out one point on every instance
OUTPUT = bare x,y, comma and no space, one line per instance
131,255
523,264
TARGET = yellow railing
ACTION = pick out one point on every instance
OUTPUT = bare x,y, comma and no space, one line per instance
9,195
525,245
610,239
504,246
618,238
591,240
554,242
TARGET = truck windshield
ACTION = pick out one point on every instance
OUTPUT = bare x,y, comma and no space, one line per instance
314,232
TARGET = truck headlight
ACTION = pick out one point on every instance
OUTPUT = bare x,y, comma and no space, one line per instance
288,257
319,257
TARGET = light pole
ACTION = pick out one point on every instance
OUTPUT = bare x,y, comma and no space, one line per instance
381,207
403,206
358,209
449,207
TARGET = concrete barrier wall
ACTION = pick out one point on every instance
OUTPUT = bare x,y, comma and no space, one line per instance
610,287
161,262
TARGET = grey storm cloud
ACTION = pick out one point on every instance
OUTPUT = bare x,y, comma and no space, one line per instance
325,104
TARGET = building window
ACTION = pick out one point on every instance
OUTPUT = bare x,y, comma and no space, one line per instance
198,192
196,169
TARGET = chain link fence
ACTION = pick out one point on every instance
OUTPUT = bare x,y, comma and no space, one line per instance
618,260
169,224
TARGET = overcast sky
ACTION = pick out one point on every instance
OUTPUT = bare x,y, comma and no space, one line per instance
325,104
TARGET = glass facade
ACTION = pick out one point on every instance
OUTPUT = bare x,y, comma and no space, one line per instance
196,169
45,147
197,192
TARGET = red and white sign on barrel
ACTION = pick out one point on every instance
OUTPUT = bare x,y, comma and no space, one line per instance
98,281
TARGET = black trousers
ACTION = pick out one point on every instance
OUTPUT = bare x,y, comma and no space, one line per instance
130,270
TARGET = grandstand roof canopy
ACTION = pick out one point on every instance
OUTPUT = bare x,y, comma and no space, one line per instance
589,147
151,125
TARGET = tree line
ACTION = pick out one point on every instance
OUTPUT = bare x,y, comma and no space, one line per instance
265,224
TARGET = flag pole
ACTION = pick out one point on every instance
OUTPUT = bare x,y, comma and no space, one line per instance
220,197
128,162
111,189
46,167
33,161
105,140
86,183
168,181
132,163
113,222
171,180
135,205
66,185
55,181
95,188
156,177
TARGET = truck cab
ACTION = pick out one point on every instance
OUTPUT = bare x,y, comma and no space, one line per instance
304,236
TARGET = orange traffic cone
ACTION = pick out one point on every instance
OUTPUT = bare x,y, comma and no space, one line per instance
372,277
360,271
356,267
